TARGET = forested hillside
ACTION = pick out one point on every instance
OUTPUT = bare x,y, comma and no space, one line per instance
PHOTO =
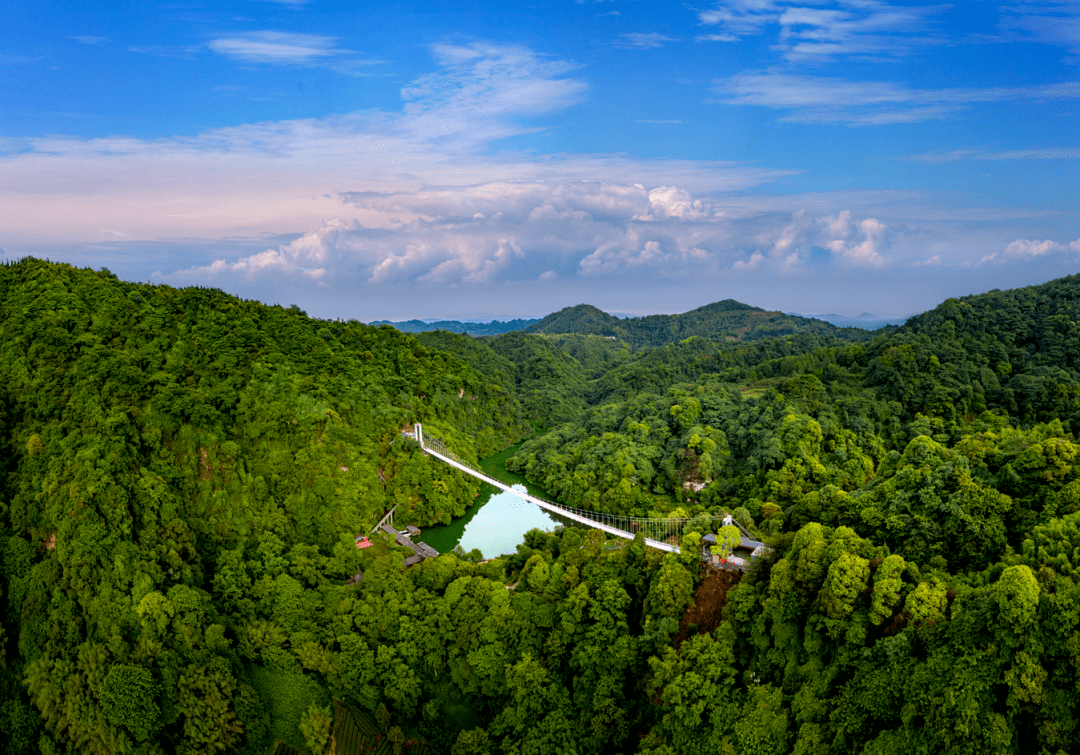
781,424
924,500
723,320
549,383
183,474
158,446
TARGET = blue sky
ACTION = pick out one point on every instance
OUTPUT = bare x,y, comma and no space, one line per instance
407,160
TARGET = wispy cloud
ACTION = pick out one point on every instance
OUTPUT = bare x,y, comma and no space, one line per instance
653,122
979,154
810,99
644,40
741,18
1050,23
716,38
813,31
164,51
378,203
494,81
287,177
290,3
275,47
88,40
289,49
17,57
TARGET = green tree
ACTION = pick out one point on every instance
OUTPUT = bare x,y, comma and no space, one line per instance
128,695
727,537
315,727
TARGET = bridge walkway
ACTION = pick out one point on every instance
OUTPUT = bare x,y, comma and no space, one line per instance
438,449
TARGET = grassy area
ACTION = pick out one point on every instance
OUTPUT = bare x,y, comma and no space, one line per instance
287,695
756,390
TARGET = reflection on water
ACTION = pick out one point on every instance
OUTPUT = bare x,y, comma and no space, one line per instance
495,525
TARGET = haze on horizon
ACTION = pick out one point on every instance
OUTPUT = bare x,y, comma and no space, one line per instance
409,161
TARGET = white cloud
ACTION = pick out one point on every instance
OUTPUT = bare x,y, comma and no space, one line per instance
1050,23
497,232
187,52
422,197
741,18
86,39
815,31
755,260
716,38
797,234
482,81
275,47
1030,249
1026,248
9,58
644,40
810,99
979,154
861,242
667,202
398,196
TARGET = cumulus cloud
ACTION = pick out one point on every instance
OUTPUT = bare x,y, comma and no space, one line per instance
859,242
425,197
749,264
668,202
516,231
1030,249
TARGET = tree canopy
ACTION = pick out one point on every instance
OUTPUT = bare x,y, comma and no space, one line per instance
183,475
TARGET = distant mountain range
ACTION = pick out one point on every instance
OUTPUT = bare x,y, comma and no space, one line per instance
493,328
866,321
728,319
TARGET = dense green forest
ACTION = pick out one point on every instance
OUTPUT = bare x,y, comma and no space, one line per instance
184,472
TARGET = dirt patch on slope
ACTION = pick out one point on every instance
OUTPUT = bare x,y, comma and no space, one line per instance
709,601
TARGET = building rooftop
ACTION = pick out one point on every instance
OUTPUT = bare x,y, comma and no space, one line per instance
744,542
420,550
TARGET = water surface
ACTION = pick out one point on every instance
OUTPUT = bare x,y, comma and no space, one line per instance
495,524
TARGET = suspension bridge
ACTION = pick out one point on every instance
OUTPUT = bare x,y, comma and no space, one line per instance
663,534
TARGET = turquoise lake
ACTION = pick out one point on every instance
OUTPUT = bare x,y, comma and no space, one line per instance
495,524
